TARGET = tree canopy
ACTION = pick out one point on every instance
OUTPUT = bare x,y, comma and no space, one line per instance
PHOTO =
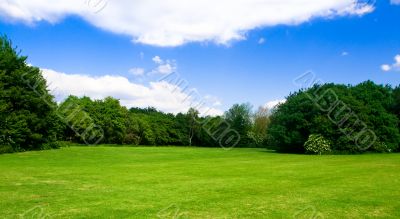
27,110
354,118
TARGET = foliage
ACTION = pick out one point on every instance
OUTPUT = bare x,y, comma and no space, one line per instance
6,149
192,120
260,125
380,147
27,110
239,119
340,113
82,115
396,106
317,144
53,145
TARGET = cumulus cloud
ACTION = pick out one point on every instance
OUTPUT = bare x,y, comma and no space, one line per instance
164,67
386,67
274,103
215,101
157,60
162,95
176,22
395,66
137,71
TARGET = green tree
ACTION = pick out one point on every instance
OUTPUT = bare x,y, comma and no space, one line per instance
138,131
340,113
239,119
396,106
192,118
261,122
80,125
111,116
27,110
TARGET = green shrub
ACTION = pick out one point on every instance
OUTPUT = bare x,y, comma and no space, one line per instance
131,139
380,147
317,144
6,149
52,145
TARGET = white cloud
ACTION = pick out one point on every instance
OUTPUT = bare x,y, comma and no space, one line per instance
176,22
215,101
395,2
345,53
274,103
157,60
164,67
358,10
261,40
386,67
395,66
397,59
137,71
161,94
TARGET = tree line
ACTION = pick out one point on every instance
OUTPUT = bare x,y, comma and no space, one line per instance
333,118
325,118
107,122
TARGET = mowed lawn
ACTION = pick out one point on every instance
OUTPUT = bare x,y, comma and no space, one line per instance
172,182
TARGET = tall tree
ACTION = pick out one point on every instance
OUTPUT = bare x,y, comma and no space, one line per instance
192,117
27,112
396,106
261,122
239,118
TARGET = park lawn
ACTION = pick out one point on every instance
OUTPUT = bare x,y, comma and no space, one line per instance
173,182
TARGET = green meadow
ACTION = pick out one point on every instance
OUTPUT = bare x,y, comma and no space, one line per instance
187,182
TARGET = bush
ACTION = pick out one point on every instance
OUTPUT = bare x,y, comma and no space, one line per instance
380,147
131,139
6,149
317,144
52,145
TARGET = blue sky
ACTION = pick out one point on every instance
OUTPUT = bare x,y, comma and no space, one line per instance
256,67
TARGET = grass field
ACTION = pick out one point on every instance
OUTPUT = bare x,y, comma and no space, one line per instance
171,182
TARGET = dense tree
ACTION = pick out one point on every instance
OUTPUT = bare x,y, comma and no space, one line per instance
259,129
166,129
79,125
239,119
27,110
290,123
396,102
215,131
353,118
111,116
138,131
396,105
92,122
